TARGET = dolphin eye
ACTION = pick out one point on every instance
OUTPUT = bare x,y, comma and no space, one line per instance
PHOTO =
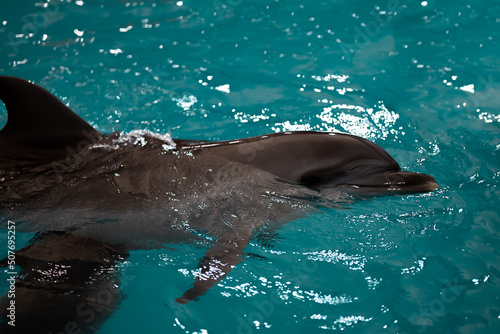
311,180
319,177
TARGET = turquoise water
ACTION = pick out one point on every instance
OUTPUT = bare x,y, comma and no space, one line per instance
419,78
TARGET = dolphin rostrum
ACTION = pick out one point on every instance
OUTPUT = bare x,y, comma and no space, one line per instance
91,198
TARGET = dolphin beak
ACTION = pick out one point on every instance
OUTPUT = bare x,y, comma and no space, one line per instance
397,182
408,181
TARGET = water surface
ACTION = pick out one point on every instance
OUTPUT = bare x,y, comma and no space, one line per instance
419,78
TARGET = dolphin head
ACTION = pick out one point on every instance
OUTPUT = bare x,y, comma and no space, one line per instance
325,161
362,168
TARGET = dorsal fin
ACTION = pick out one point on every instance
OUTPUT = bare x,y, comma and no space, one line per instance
39,127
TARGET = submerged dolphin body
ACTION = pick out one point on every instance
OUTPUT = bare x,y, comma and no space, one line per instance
92,198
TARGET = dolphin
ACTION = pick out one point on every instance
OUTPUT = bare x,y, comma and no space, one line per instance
91,198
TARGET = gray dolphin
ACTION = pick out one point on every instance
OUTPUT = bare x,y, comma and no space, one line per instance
91,198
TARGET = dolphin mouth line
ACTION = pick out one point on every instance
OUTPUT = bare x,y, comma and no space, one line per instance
407,189
392,182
